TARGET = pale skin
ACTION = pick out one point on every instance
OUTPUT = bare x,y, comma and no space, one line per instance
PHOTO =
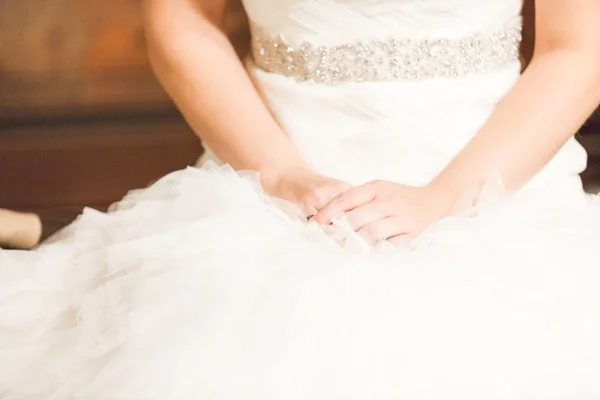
200,70
552,99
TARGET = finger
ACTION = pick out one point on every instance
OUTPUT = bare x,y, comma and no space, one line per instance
320,201
302,210
402,240
383,229
368,213
345,201
321,196
311,212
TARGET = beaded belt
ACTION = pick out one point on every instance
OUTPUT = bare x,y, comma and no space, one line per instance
386,60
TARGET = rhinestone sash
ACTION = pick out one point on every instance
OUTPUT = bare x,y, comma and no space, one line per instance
392,59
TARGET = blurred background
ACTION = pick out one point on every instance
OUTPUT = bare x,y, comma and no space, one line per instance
82,118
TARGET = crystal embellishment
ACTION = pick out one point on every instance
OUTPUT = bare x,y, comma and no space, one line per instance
391,59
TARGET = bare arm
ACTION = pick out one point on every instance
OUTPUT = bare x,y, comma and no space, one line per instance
557,92
200,70
546,107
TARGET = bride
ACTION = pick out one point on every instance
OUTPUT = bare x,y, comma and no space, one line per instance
388,210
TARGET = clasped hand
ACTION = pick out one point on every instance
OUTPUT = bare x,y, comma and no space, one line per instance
382,210
378,210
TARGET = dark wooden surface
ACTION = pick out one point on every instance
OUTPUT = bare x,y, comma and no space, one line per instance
80,58
57,170
90,164
82,117
64,58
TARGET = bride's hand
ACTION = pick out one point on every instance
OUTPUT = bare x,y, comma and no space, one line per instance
382,210
304,188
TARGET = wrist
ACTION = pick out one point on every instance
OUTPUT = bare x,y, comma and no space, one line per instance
451,197
273,176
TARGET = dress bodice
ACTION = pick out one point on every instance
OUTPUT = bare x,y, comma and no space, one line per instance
333,22
389,118
356,41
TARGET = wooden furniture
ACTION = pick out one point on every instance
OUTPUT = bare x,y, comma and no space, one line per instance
82,118
66,59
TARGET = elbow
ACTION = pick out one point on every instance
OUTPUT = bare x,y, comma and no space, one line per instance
581,59
152,12
175,30
596,67
591,58
182,11
151,21
166,30
582,49
161,35
154,16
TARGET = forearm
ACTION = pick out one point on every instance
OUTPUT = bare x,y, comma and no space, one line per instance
199,69
553,98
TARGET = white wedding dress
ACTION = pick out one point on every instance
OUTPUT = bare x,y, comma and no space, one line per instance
203,287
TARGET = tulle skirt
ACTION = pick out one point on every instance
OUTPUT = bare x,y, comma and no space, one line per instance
203,287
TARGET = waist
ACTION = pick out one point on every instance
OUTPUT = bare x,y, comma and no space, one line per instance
388,59
472,95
